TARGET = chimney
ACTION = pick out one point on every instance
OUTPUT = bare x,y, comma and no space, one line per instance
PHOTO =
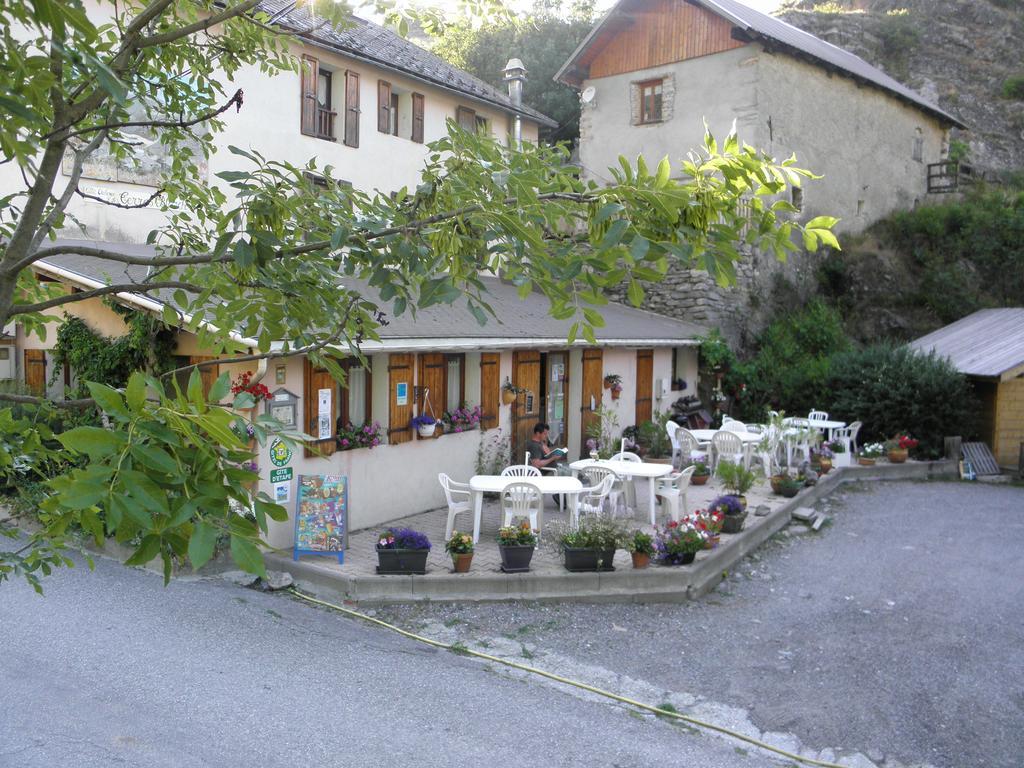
515,76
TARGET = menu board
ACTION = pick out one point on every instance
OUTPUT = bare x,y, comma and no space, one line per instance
321,516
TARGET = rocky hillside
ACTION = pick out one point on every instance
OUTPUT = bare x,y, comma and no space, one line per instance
959,54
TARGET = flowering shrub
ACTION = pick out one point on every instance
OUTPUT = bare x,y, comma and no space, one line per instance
727,505
678,539
244,384
459,544
901,442
363,436
462,419
708,520
872,451
403,538
521,535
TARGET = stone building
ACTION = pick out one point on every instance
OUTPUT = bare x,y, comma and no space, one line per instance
652,73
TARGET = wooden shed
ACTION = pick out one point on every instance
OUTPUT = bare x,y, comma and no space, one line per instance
988,346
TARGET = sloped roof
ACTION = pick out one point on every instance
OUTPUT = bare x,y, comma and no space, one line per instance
517,322
989,342
380,46
753,25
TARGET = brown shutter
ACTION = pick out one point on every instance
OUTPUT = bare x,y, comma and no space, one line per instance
526,410
433,376
466,119
351,108
417,118
644,384
490,365
310,74
35,371
383,106
592,387
399,416
317,379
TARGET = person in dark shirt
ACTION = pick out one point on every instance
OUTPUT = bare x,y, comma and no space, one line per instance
542,454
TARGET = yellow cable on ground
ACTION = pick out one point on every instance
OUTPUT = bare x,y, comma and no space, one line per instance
566,681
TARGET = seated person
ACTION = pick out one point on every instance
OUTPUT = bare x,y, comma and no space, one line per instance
542,455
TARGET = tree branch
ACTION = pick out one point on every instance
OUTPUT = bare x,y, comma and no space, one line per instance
198,26
70,298
10,397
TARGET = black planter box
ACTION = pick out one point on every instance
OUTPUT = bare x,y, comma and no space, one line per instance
733,523
516,559
402,561
581,560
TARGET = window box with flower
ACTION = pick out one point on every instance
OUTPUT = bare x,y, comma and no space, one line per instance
402,551
870,453
464,419
366,435
516,544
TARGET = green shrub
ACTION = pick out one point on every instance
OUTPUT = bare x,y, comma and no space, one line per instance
1013,88
894,389
790,369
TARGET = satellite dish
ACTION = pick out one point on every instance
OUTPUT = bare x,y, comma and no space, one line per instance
587,97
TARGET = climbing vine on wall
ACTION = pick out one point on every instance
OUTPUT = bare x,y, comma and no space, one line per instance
148,345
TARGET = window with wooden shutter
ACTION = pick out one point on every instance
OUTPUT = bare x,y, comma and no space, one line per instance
318,379
490,364
400,381
417,118
383,106
432,385
466,118
310,79
644,385
351,108
356,400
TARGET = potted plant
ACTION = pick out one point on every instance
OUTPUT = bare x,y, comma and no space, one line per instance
786,485
736,478
733,514
464,419
679,543
710,522
821,459
898,448
870,453
641,548
425,424
350,437
516,544
402,551
460,547
840,456
613,382
509,392
591,545
701,472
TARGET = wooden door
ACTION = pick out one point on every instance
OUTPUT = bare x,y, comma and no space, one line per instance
526,409
432,384
592,391
644,385
318,379
35,371
400,398
489,388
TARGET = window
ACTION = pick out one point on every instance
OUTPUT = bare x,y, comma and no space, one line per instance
483,125
384,106
650,101
417,118
351,108
355,397
466,118
455,382
317,114
394,114
918,151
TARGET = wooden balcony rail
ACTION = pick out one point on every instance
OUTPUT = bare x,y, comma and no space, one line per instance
325,123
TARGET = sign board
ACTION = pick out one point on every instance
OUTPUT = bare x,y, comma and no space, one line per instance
282,492
402,393
280,453
281,475
321,516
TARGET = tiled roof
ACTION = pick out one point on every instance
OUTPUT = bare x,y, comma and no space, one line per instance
382,47
986,343
523,320
774,32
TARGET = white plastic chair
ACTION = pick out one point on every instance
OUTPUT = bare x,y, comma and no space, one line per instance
451,490
817,416
626,456
734,426
727,445
672,491
854,431
592,501
690,446
757,429
595,475
726,419
673,429
628,484
520,470
522,500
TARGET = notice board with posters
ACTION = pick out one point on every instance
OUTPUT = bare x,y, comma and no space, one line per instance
321,516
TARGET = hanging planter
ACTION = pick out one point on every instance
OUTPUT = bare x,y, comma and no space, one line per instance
614,382
426,423
509,392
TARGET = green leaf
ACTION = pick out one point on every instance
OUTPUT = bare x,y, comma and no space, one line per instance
135,392
243,400
201,544
141,488
155,457
638,248
664,172
93,441
148,549
247,556
16,108
635,293
107,398
822,222
275,512
220,388
195,388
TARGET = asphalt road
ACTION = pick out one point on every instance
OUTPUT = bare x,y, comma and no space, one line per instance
895,632
112,669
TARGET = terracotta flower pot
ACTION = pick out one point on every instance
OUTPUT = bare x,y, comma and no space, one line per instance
640,560
865,461
712,541
462,562
699,479
826,466
898,455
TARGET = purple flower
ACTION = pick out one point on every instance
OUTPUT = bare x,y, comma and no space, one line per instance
727,505
403,538
345,442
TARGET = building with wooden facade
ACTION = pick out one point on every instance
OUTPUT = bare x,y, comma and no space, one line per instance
653,72
988,347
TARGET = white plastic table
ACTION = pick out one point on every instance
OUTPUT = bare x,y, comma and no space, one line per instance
548,484
749,439
820,425
629,470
